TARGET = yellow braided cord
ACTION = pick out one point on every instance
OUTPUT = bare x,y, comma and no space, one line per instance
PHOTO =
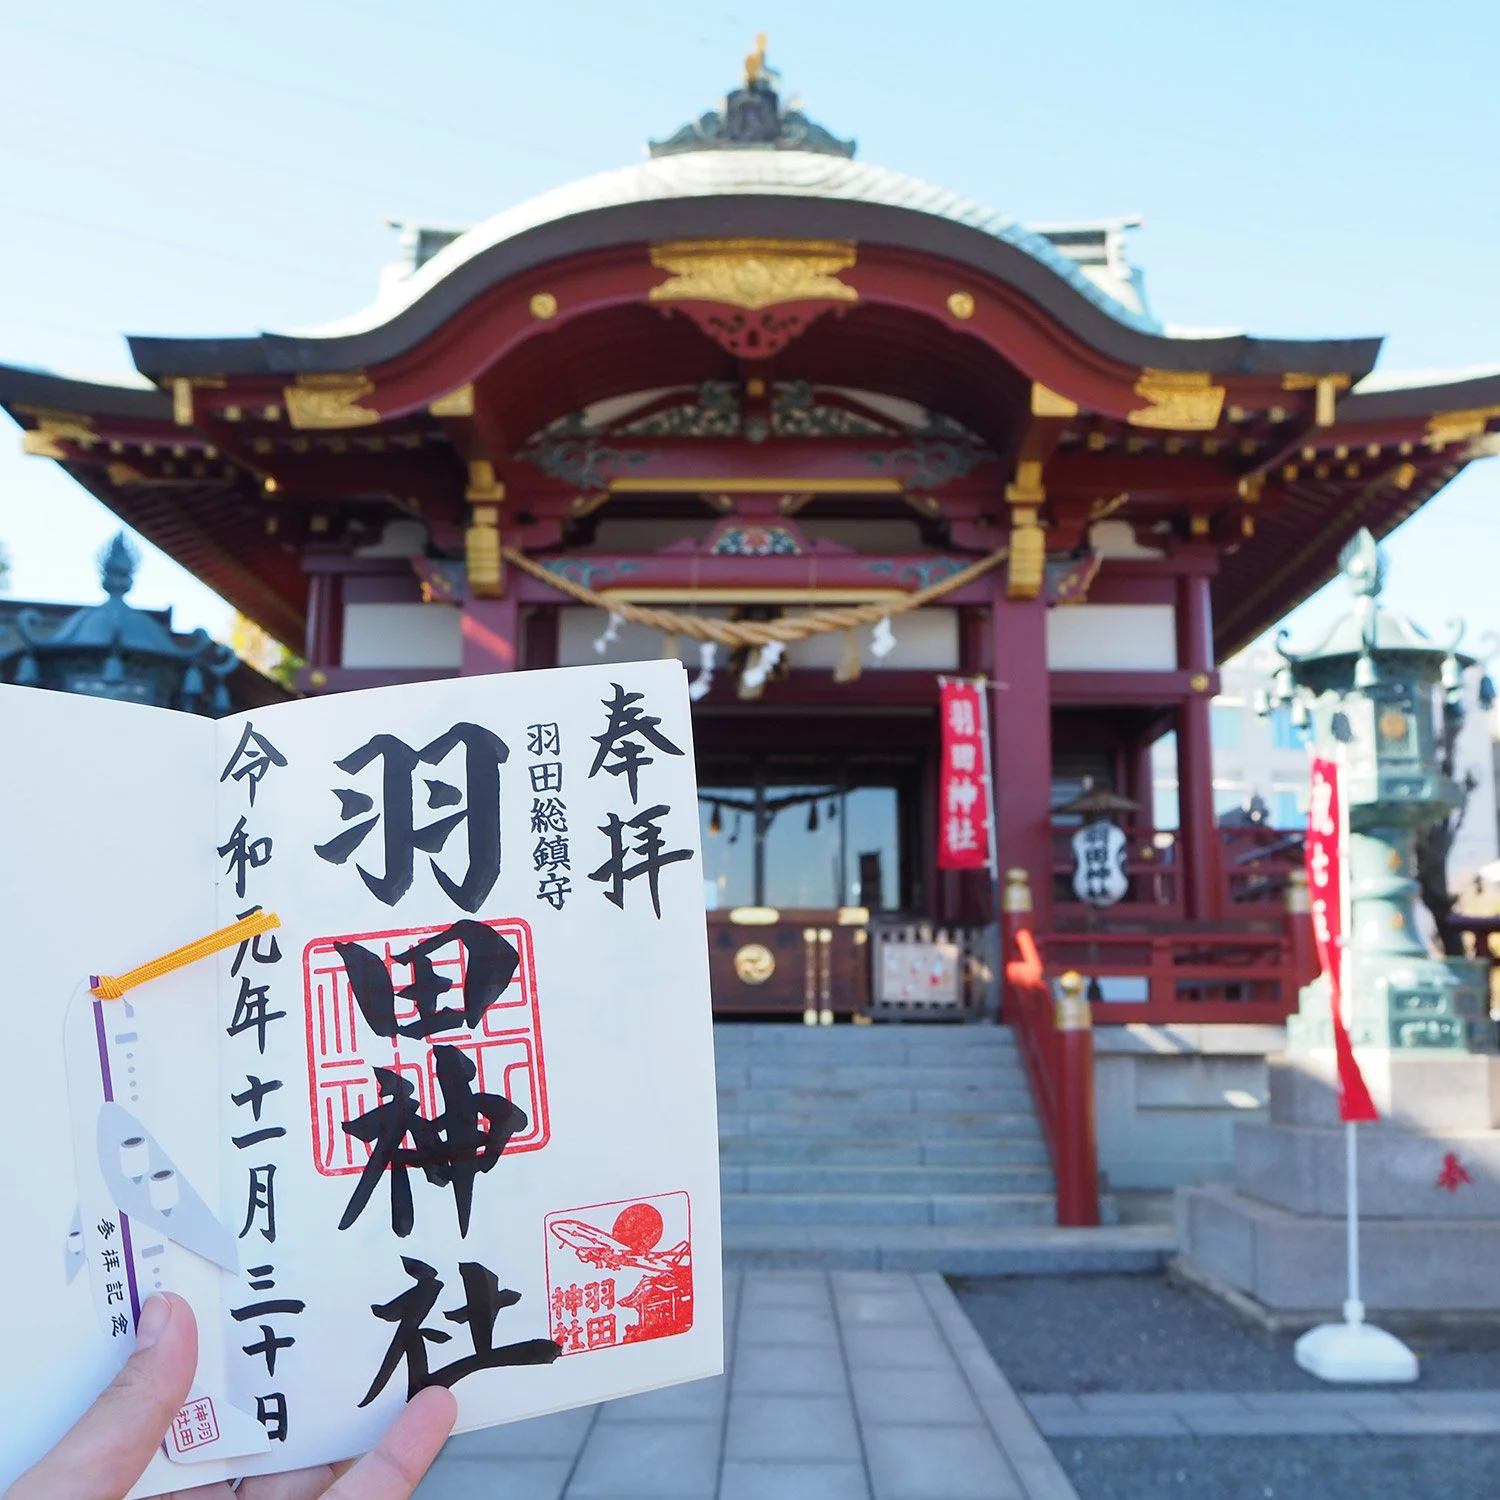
734,633
111,987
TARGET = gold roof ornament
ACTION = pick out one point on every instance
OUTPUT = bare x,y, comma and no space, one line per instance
754,274
755,62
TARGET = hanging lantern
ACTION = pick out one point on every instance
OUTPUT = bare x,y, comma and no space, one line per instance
716,821
812,817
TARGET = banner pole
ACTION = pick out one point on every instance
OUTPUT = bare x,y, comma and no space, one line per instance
1354,1308
1354,1311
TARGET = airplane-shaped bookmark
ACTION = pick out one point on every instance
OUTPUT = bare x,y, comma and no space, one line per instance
137,1211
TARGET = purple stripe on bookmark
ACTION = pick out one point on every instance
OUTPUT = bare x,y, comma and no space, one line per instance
109,1095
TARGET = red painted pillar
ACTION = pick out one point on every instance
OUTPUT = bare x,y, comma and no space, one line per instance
491,631
1199,850
1076,1150
325,620
1021,743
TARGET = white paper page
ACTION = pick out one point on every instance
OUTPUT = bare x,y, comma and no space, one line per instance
103,813
602,1214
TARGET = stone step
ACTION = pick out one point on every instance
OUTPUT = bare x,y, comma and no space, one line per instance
874,1124
936,1181
1024,1148
864,1099
1008,1074
887,1208
956,1249
841,1042
837,1044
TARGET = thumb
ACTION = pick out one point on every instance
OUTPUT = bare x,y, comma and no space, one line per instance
108,1448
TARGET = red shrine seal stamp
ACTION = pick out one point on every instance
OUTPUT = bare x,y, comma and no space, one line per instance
195,1426
344,1049
620,1273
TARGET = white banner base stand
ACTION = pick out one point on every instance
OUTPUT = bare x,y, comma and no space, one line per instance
1354,1351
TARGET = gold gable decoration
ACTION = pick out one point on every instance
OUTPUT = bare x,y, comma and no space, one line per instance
1446,427
1181,401
324,401
753,274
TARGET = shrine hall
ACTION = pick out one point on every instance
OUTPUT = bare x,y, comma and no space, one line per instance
830,434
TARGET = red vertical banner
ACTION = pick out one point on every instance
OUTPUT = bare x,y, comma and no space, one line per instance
1327,864
965,814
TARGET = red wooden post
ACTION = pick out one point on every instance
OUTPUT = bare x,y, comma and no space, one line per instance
325,620
491,630
1076,1157
1198,854
1021,744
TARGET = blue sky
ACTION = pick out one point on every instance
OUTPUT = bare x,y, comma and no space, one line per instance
1304,170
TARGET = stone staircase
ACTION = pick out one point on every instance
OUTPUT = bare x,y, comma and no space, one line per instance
902,1147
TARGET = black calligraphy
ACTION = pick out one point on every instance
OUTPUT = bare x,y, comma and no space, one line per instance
551,857
451,1149
636,845
621,749
478,812
490,964
484,1300
252,758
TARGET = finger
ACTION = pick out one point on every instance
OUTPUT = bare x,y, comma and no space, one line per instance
108,1448
394,1467
298,1484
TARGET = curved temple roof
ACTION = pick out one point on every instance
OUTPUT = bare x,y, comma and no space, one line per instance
758,169
767,172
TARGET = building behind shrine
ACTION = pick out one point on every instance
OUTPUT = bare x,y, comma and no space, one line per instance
754,377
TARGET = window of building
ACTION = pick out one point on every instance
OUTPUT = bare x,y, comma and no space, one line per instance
1288,807
1229,799
1227,725
1164,813
1284,734
782,837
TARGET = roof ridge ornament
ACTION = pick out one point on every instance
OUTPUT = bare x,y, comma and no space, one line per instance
754,118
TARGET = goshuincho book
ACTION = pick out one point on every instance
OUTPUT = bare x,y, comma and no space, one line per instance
437,1106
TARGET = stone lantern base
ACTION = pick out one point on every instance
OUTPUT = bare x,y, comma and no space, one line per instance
1429,1190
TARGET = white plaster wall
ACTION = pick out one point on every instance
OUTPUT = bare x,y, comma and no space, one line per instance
402,635
1112,638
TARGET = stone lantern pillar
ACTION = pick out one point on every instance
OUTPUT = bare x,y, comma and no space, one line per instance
1273,1241
1374,691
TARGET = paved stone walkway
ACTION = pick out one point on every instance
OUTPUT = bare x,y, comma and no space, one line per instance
1414,1413
840,1385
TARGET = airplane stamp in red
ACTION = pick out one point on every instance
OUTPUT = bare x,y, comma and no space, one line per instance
620,1273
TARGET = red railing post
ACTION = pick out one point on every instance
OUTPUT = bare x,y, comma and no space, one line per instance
1076,1159
1015,913
1303,951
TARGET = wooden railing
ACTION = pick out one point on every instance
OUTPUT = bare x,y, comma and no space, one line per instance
1255,861
1057,1049
1183,976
